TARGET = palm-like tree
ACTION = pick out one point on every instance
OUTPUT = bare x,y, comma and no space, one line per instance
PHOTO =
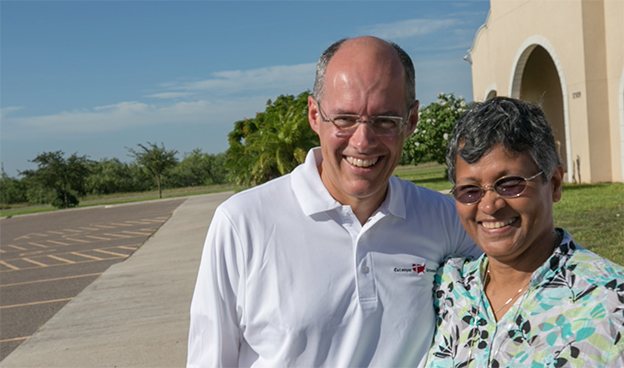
273,143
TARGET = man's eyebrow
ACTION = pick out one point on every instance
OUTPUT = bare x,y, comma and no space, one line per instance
347,112
389,113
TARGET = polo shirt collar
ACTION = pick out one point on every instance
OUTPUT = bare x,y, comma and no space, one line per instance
395,198
314,198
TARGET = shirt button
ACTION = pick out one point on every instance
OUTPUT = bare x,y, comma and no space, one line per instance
365,269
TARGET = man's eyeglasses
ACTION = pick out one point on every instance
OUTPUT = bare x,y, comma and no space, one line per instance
506,187
383,126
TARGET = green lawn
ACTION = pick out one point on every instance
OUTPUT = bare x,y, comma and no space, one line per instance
117,198
594,215
429,175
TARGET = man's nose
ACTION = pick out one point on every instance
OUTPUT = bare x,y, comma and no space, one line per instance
364,136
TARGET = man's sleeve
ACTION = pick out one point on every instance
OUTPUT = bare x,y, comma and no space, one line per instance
464,245
215,333
467,247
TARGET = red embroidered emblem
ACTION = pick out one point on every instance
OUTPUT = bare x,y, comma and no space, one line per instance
418,268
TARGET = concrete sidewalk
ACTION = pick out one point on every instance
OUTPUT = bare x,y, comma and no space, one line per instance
136,314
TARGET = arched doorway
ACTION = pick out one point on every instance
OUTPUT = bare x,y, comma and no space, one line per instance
537,78
540,84
490,92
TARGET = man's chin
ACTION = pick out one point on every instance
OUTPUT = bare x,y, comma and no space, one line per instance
366,189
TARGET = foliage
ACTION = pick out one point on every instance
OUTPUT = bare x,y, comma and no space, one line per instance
271,144
65,199
109,176
435,126
36,193
11,189
63,176
197,169
155,160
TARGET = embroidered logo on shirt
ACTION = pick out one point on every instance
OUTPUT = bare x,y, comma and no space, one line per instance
418,268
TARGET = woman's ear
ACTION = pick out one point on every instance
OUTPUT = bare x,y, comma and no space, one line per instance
557,183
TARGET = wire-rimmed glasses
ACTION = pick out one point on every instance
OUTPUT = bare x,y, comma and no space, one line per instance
506,187
383,126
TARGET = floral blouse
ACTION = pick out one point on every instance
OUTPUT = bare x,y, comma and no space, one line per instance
572,315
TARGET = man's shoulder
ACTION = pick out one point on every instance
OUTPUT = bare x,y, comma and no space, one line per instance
260,197
413,193
409,187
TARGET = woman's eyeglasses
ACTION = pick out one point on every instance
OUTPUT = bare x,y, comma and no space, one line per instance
506,187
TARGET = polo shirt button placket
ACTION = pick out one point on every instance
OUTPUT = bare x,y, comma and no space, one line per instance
367,291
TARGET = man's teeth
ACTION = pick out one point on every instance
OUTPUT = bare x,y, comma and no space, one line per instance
362,163
498,224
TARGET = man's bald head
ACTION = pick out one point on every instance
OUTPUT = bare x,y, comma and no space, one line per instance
364,46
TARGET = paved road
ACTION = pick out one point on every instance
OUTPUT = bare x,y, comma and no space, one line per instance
136,314
48,259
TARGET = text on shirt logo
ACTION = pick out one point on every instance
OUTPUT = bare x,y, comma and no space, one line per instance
418,268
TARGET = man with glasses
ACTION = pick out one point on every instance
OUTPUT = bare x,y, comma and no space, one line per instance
333,264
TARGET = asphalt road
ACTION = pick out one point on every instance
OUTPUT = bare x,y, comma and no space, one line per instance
47,259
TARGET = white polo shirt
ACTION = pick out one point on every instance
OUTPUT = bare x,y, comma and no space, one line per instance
290,278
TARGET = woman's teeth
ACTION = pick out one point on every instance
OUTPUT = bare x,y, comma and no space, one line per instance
498,224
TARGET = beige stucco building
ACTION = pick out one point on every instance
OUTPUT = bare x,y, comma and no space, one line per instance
568,56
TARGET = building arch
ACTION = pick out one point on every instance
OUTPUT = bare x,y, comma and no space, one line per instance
490,92
536,55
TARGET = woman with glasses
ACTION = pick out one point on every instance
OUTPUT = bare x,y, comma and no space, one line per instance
535,298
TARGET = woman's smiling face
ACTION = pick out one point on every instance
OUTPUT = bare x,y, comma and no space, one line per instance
507,228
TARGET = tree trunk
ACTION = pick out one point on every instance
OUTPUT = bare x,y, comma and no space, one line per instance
159,190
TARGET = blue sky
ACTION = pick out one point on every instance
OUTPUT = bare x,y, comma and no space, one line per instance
95,77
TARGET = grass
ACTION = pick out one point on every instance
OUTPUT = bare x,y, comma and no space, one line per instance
118,198
592,213
429,175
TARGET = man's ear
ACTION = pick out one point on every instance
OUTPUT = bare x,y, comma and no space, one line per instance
557,182
413,119
313,113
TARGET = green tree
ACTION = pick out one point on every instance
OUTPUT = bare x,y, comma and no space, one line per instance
155,160
109,176
197,168
12,190
435,126
273,143
64,176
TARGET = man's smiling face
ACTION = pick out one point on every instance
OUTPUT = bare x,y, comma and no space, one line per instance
365,77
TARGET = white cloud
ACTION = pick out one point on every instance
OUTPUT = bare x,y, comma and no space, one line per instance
124,115
284,77
170,95
409,28
211,106
8,110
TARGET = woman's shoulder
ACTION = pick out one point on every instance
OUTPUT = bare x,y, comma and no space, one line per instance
456,268
588,265
457,262
595,278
